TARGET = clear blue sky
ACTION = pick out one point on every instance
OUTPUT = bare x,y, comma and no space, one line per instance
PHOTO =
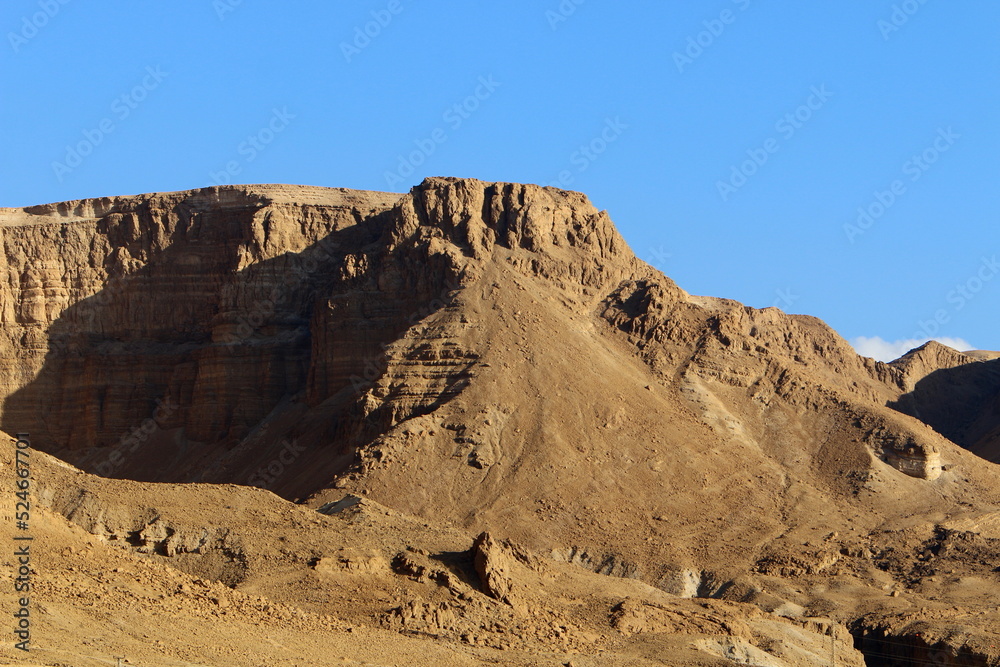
182,86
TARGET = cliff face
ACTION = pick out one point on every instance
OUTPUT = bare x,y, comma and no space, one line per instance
455,345
191,309
488,357
183,320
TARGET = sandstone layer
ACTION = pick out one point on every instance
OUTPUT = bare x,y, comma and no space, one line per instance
491,359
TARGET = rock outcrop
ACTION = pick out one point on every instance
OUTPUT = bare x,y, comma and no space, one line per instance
461,340
957,394
492,359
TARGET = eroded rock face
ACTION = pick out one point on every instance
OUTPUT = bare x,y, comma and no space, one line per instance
498,564
489,357
179,321
198,300
440,349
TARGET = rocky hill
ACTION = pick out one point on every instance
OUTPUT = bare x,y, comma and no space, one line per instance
957,393
491,359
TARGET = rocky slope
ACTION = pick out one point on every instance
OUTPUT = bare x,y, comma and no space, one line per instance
956,393
163,574
491,357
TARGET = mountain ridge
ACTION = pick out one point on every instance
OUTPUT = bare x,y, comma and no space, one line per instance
486,357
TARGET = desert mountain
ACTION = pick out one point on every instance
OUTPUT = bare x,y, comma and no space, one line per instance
490,359
956,393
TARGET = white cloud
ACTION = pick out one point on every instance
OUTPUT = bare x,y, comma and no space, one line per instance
884,350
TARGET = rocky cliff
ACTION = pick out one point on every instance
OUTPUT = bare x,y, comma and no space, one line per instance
191,322
488,357
460,341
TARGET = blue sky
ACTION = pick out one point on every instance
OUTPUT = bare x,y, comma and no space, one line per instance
836,159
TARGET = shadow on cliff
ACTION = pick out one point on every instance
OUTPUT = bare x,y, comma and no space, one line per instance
962,404
187,370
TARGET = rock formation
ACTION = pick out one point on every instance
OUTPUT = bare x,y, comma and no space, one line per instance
488,359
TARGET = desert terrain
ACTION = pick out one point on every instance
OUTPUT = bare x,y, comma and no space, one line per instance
282,426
